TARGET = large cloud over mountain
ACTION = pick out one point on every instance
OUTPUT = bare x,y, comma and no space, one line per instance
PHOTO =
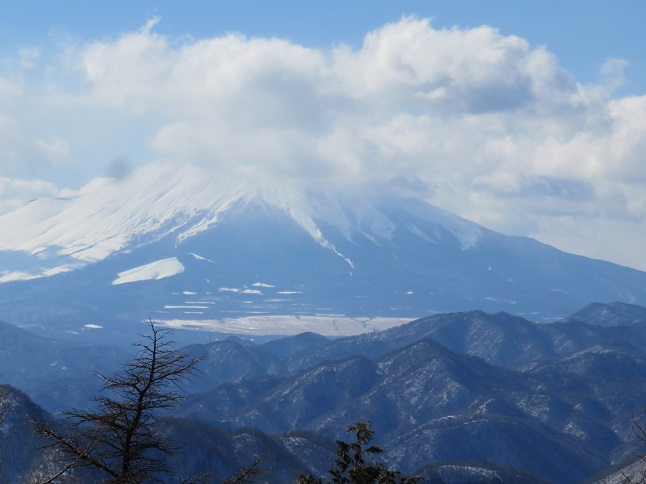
477,122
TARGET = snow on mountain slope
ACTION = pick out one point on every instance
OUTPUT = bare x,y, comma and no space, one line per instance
151,272
113,214
108,216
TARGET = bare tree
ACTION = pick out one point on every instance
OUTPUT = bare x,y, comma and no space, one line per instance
119,438
249,473
638,471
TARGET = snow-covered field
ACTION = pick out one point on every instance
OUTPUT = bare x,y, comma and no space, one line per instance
288,325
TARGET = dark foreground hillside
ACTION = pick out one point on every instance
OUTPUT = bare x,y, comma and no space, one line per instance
461,397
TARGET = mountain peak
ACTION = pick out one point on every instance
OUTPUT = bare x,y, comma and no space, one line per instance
610,314
108,216
184,246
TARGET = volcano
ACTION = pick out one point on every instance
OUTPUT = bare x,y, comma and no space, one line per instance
186,247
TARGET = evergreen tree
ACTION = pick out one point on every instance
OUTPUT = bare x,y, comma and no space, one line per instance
354,464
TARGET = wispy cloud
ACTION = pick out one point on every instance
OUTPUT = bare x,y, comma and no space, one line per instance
14,193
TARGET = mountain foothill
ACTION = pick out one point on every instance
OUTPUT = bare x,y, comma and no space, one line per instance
453,397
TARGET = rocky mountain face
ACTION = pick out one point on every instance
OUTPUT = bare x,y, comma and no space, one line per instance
187,247
454,397
20,450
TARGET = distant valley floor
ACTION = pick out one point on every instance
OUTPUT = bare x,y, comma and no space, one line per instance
289,325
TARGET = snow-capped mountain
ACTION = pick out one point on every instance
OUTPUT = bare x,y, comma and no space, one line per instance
111,216
185,246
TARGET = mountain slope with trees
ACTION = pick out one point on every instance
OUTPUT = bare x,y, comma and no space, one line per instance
550,401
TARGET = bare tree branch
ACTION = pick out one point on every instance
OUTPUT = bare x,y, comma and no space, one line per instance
249,472
120,437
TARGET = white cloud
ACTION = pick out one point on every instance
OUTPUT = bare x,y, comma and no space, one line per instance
447,71
612,73
493,127
17,148
403,104
14,193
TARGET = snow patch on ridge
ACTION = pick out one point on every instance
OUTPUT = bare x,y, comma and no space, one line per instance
8,276
199,257
151,272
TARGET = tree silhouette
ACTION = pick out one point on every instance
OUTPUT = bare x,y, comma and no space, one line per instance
120,439
353,463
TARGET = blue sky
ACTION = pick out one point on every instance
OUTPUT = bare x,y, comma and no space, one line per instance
528,117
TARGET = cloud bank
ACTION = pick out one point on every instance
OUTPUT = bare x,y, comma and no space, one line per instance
479,123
